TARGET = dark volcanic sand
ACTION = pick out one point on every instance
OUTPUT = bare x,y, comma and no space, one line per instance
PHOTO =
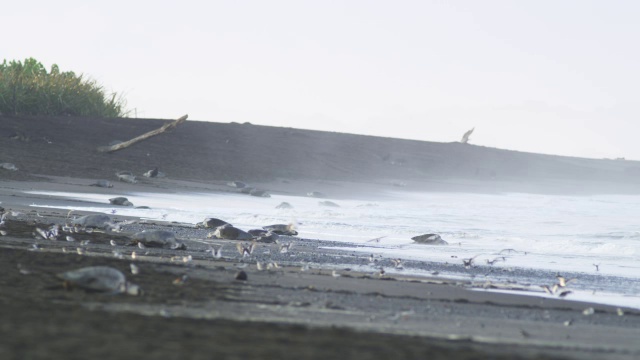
282,313
209,152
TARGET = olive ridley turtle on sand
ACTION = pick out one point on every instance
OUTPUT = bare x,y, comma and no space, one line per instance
126,176
259,193
430,239
103,183
237,184
284,205
100,278
8,166
230,232
100,221
282,229
120,200
328,203
158,238
211,223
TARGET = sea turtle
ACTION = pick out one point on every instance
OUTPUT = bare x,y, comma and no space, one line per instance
210,223
284,205
282,229
101,279
264,236
259,193
230,232
120,200
158,238
126,176
151,173
257,232
103,183
430,239
100,221
237,184
8,166
328,203
316,194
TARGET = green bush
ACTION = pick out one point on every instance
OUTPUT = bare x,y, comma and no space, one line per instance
28,89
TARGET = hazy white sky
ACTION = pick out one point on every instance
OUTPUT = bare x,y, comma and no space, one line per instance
559,77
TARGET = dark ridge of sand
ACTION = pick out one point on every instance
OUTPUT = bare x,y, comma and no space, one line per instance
209,152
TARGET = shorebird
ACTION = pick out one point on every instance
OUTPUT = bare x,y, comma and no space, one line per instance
588,311
215,252
284,247
397,263
465,137
181,280
134,269
113,243
377,240
550,290
562,282
492,262
49,234
246,249
468,262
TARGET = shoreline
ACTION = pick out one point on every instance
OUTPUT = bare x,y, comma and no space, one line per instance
437,313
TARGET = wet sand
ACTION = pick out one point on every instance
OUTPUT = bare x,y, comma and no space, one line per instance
314,305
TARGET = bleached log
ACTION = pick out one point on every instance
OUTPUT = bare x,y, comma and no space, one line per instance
144,136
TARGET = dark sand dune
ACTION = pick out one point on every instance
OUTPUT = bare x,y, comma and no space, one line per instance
206,151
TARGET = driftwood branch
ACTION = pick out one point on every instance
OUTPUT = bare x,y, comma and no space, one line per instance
144,136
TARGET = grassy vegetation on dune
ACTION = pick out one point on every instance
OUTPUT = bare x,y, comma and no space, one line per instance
26,88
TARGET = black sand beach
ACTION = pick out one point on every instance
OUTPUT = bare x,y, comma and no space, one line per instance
326,310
